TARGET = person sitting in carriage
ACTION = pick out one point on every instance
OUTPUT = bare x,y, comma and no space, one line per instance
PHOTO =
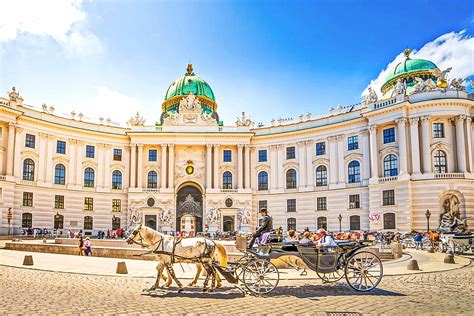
324,240
263,232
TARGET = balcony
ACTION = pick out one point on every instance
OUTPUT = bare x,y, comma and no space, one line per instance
3,178
27,182
229,190
150,190
388,179
354,184
452,175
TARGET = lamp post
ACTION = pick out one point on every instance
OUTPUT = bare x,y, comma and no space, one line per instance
340,220
428,214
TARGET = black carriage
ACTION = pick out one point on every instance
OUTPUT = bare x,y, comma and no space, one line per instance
362,269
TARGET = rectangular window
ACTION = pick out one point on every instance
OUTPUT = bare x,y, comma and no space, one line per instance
28,199
353,142
354,201
90,151
30,141
388,197
262,155
152,155
61,147
59,201
227,155
389,135
116,205
262,205
88,204
117,154
290,152
320,149
438,130
291,205
321,204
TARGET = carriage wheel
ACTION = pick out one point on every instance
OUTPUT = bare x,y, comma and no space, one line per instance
331,277
364,271
260,276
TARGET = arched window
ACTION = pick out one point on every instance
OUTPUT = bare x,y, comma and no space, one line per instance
291,179
58,221
117,180
354,171
115,222
152,180
88,222
227,180
60,174
354,222
323,223
28,169
89,175
263,180
390,166
291,223
440,164
321,176
26,220
389,221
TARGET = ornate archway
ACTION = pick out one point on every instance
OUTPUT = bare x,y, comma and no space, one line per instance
189,209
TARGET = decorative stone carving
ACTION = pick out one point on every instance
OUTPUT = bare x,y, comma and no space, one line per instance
166,217
134,216
136,120
450,220
245,216
423,85
442,75
457,84
212,216
244,120
14,95
190,113
371,97
400,88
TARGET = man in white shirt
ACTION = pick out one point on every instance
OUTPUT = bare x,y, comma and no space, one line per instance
324,239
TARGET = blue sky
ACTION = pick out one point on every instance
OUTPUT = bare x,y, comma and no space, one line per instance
267,58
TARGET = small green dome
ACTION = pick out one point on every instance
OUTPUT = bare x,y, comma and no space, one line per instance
187,84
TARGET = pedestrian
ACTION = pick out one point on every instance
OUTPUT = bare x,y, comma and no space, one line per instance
418,241
81,246
88,245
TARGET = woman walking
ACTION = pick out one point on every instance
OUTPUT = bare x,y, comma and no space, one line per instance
81,246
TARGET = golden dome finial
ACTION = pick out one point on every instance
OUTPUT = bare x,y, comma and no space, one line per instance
407,52
189,69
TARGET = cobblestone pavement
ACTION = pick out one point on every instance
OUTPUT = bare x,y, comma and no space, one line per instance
26,291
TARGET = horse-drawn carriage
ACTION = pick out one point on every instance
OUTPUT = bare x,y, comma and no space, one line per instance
362,269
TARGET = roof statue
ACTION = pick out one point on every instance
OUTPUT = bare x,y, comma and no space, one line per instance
371,97
442,75
244,121
136,120
189,112
423,85
457,84
400,88
14,96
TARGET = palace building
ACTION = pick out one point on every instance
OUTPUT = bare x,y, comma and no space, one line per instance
379,164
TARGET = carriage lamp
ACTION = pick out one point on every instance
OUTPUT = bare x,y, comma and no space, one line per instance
428,214
340,220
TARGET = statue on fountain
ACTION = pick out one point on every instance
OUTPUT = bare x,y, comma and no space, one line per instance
450,220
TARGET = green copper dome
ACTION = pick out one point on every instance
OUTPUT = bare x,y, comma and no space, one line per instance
409,68
187,84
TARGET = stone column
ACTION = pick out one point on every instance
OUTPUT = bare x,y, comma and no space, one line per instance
79,158
425,143
402,146
415,145
452,144
42,161
374,154
49,159
240,165
281,170
302,164
341,172
2,160
309,165
164,167
216,167
11,148
140,166
461,143
253,162
247,167
208,166
71,150
332,159
470,162
100,165
365,155
171,166
19,141
133,165
273,167
107,161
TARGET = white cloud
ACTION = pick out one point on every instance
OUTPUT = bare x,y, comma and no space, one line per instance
454,49
62,20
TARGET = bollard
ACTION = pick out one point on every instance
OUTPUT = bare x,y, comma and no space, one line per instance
121,268
449,259
28,261
413,265
431,250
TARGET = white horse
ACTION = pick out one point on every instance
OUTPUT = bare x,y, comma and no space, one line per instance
169,249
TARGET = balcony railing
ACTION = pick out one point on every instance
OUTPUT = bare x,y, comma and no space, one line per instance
321,188
150,190
388,179
229,190
452,175
354,184
27,182
3,178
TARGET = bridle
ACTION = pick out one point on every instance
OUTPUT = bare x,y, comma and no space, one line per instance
139,242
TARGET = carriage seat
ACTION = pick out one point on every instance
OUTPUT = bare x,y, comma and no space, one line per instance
346,244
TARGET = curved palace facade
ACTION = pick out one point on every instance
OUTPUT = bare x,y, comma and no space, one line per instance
380,164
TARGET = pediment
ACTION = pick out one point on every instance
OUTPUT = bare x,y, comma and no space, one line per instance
389,150
353,156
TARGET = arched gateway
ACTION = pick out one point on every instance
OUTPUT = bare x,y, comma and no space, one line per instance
189,209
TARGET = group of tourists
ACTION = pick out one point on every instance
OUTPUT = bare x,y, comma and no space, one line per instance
85,246
119,233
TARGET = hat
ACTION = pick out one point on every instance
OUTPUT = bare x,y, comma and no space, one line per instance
87,238
263,210
321,231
